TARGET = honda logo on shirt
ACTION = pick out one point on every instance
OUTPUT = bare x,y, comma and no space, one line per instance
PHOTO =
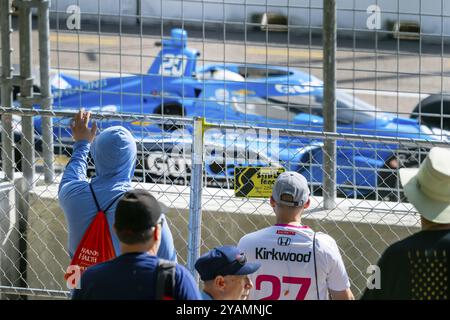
284,241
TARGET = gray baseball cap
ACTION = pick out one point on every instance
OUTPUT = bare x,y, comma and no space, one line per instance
291,189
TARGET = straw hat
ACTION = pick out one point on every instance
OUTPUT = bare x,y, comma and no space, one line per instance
428,187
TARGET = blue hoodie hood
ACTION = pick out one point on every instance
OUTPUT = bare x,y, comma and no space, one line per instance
114,153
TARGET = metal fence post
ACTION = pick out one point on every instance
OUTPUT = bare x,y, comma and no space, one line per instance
195,203
8,238
44,61
6,90
22,194
23,186
13,229
26,90
329,106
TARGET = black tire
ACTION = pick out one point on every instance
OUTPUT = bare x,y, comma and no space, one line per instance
17,160
388,178
387,185
170,109
430,110
16,91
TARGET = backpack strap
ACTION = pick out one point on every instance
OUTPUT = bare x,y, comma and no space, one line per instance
165,280
315,266
95,198
112,202
96,202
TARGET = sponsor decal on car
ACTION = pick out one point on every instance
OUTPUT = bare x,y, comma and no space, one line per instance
142,123
244,92
160,163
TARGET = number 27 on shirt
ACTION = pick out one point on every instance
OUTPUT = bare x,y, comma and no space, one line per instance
304,284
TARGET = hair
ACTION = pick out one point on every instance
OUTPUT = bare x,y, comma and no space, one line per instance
289,210
131,237
288,197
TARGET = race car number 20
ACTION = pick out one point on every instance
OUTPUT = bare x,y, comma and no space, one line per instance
173,65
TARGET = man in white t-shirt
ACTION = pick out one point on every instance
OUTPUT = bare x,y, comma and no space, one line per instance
296,262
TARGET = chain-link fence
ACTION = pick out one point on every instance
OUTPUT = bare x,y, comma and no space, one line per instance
363,222
252,70
33,229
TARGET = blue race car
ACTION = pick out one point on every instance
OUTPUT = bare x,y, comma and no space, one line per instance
256,95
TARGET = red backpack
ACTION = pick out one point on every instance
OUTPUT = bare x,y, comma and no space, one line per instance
95,247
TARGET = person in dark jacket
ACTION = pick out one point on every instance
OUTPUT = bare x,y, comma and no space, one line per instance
418,267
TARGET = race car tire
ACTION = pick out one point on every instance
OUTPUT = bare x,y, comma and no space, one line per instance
389,186
17,160
16,91
430,110
170,109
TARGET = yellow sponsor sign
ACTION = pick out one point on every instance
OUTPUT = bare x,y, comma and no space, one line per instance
59,160
255,182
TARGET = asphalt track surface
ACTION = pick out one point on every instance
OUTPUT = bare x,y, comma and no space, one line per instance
392,74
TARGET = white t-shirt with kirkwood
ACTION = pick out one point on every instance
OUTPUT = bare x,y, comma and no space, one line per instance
287,269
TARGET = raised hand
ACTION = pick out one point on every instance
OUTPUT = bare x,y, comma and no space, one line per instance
80,127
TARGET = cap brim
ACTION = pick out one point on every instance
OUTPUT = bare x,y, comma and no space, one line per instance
164,208
432,210
248,268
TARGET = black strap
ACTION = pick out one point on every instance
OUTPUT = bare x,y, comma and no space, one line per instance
96,202
165,280
315,265
95,198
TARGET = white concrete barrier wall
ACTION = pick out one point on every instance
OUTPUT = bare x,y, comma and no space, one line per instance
352,15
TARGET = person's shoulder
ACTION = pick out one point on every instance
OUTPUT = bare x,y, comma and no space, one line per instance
98,269
72,189
326,245
182,270
404,244
186,287
325,240
252,236
185,278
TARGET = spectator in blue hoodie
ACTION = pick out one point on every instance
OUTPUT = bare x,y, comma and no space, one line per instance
114,153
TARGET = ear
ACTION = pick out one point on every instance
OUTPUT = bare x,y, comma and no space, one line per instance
307,204
157,232
272,202
219,282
